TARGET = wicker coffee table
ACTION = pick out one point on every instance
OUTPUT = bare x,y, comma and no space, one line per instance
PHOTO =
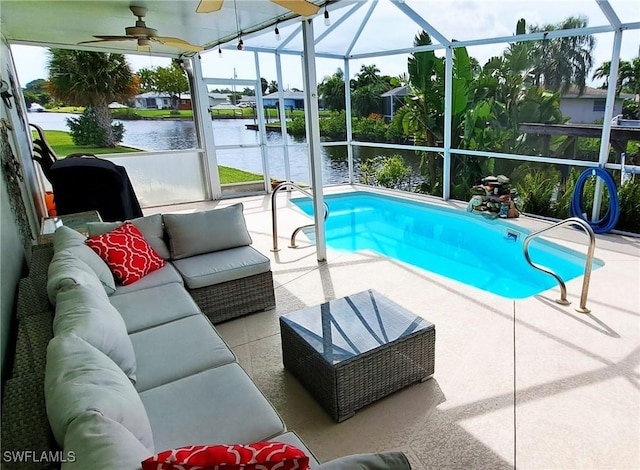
355,350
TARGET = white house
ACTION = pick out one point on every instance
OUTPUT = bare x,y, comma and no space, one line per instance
292,99
153,100
588,108
218,98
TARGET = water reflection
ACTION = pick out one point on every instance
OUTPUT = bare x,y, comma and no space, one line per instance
173,134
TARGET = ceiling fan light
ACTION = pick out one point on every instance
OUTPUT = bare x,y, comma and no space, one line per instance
144,42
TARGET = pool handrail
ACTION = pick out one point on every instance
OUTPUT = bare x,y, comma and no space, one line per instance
587,269
274,217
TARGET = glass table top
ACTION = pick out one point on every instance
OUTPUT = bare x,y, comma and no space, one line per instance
347,327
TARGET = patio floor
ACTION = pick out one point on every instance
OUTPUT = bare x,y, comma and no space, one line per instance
525,383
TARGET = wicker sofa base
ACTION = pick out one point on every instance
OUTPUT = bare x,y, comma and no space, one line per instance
227,300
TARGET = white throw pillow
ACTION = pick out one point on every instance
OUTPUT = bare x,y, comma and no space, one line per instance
150,227
207,231
92,317
97,442
65,238
66,270
79,378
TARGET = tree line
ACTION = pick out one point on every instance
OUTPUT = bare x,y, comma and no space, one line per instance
489,100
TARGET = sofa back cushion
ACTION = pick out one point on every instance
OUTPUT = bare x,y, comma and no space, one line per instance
100,443
66,270
207,231
79,378
94,319
65,238
151,228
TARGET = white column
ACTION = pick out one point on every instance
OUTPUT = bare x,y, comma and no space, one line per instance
283,118
347,109
262,128
204,127
606,125
313,134
448,95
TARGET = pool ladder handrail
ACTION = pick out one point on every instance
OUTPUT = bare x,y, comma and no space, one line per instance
274,216
587,269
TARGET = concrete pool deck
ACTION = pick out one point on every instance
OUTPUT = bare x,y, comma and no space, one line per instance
525,383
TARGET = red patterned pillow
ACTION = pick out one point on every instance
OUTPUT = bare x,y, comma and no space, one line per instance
257,456
126,252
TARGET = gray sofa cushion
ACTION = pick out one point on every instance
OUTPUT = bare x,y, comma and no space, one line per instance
379,461
203,232
222,266
65,238
100,443
161,359
79,378
170,302
91,317
150,227
165,275
66,270
220,405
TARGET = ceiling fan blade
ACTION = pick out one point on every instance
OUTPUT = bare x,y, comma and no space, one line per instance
177,42
301,7
209,6
109,38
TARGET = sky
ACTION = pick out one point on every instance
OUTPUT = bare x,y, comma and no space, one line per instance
388,29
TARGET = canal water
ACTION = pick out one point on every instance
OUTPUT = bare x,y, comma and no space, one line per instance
180,134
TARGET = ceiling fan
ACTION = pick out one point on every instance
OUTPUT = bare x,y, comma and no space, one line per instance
145,35
301,7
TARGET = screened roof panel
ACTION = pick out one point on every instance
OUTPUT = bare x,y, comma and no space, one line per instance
464,20
393,25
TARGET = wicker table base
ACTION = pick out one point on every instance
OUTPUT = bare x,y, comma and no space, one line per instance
355,350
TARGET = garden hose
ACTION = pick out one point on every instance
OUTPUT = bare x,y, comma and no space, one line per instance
576,208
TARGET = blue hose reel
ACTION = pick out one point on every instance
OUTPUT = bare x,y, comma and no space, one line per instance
576,208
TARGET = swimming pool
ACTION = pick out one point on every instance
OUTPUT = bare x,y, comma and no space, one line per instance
481,252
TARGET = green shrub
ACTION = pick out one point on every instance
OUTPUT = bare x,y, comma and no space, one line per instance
393,172
85,130
128,114
296,127
536,191
334,126
629,196
389,172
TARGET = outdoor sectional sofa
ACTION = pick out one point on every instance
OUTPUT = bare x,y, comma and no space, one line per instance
107,375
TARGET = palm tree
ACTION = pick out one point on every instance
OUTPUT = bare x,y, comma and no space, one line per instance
92,79
368,75
332,91
628,76
560,63
273,87
368,87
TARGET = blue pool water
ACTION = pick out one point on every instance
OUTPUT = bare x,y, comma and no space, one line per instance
481,252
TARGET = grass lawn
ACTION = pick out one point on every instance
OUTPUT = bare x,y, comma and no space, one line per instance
244,113
62,145
233,175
